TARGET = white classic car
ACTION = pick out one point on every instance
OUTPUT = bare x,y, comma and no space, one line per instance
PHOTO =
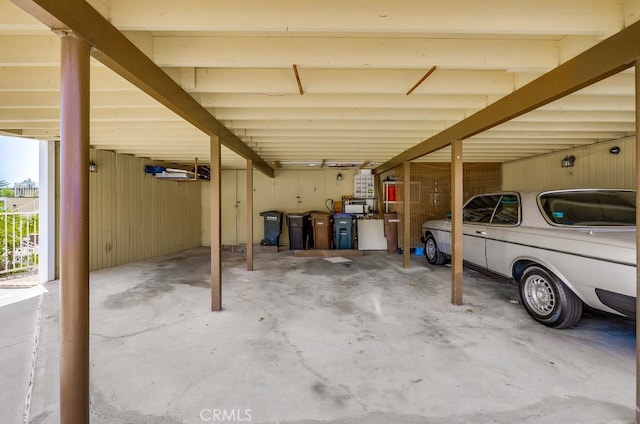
565,248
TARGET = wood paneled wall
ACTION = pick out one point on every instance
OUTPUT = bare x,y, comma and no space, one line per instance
135,216
594,167
431,197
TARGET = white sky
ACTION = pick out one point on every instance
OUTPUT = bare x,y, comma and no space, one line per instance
19,160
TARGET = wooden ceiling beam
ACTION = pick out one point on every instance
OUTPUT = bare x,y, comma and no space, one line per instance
607,58
114,50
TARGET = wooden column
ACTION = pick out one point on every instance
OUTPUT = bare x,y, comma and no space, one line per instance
74,231
216,228
406,207
637,71
249,215
456,222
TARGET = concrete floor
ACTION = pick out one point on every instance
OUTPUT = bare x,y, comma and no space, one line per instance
303,340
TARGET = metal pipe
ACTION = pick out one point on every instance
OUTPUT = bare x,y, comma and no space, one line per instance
74,231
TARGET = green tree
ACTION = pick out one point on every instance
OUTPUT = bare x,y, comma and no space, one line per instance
28,183
4,183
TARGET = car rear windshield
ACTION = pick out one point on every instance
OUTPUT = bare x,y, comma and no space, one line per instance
590,208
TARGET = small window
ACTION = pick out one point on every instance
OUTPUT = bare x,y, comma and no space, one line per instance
507,211
480,209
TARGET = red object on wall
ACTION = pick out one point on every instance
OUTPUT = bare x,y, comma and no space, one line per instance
391,193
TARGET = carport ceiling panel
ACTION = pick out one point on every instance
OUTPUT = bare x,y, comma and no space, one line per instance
356,61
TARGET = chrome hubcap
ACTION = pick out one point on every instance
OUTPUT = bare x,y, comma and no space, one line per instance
540,295
431,249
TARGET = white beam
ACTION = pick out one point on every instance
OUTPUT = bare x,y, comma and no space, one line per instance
336,113
15,20
427,125
417,16
353,81
420,101
97,114
275,52
48,79
576,116
342,124
28,50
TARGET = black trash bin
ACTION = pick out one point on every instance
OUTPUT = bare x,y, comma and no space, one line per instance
272,228
298,231
308,227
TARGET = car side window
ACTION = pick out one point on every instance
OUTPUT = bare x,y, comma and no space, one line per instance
590,208
480,209
507,211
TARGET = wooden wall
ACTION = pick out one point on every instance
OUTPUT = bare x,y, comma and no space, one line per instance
133,215
594,167
431,191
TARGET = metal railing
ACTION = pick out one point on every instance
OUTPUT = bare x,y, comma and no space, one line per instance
26,191
19,237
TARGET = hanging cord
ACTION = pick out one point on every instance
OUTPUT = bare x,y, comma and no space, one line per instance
329,208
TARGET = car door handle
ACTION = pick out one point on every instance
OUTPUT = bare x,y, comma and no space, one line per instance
482,233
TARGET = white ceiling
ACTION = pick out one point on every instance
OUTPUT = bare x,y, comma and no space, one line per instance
356,61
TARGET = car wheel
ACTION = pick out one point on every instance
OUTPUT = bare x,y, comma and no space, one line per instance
547,300
431,251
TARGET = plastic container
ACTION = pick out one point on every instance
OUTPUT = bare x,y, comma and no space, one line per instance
272,228
344,231
391,193
322,224
391,231
298,231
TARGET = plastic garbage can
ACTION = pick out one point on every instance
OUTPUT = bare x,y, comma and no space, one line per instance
322,224
344,231
391,231
298,231
272,228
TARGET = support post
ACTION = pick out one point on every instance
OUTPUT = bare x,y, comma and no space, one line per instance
456,222
216,228
47,213
406,227
74,231
637,72
249,215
